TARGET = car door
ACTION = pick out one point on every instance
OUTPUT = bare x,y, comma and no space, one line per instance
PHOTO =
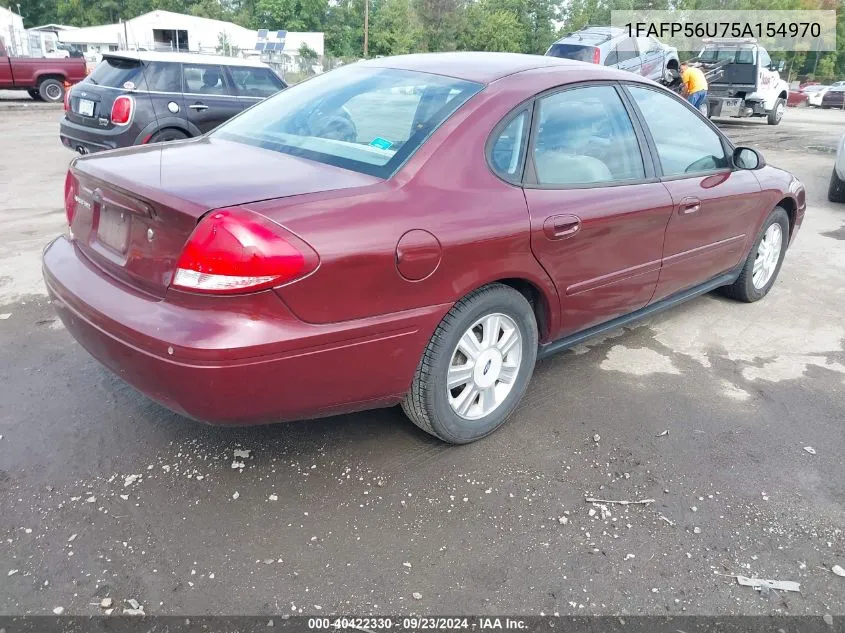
651,54
714,206
210,98
625,56
598,215
254,83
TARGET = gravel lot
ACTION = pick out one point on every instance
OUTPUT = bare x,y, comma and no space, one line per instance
104,493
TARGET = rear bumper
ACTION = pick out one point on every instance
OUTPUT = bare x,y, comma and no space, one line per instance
235,360
91,140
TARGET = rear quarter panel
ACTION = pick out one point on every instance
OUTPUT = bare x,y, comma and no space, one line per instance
480,222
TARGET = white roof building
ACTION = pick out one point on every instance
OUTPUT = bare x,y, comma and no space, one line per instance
168,31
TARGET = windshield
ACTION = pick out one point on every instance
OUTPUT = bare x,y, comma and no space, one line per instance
365,119
572,51
730,54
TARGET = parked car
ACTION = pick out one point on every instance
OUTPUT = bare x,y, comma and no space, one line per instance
344,246
134,98
834,98
798,99
815,94
749,82
610,46
43,78
836,190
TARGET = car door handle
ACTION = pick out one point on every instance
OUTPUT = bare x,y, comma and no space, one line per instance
560,227
688,206
198,106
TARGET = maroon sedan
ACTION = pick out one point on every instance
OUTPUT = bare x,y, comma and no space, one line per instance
415,230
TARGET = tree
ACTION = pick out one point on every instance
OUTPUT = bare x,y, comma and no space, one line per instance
395,29
307,58
490,29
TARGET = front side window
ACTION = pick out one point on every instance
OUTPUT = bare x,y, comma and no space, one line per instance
255,82
365,119
685,143
585,136
205,80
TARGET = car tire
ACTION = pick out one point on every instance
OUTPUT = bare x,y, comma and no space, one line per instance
168,134
51,90
750,287
836,190
503,328
776,113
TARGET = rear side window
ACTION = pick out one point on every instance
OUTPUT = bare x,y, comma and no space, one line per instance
506,150
685,143
206,80
572,51
114,72
585,136
163,77
255,82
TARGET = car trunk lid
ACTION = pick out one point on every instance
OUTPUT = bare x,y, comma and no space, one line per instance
91,100
135,209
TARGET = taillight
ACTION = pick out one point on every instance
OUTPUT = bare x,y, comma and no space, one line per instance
596,55
67,99
235,250
71,187
122,109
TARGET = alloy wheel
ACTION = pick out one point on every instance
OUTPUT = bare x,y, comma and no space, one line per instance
768,256
484,366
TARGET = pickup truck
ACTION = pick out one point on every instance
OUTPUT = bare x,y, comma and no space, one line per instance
746,82
43,78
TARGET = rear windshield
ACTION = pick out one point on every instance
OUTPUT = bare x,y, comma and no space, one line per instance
577,52
731,55
113,72
365,119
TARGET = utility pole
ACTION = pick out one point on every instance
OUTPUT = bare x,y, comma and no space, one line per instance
366,25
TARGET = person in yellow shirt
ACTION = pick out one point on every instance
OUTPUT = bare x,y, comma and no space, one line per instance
695,85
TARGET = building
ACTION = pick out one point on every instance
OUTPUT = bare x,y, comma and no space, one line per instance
167,31
14,36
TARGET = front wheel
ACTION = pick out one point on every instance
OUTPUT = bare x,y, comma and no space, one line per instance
763,263
476,366
776,113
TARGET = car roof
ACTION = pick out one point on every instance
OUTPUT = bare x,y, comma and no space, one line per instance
471,66
185,58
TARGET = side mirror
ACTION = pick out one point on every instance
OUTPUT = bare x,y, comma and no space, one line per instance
747,158
781,65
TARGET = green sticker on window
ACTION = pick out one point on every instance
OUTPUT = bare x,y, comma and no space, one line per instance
381,143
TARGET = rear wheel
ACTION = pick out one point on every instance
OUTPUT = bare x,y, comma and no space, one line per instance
764,261
776,113
169,134
836,190
476,366
51,90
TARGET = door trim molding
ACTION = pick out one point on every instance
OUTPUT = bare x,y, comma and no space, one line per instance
614,277
567,342
699,250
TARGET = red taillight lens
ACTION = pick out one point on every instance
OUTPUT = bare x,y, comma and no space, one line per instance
71,187
235,250
596,56
67,98
121,110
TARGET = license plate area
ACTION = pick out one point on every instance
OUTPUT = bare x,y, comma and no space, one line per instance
85,107
731,107
113,229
